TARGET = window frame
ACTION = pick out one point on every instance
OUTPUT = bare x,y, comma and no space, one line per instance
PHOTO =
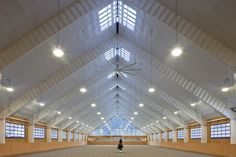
196,133
182,134
35,132
219,129
51,134
11,124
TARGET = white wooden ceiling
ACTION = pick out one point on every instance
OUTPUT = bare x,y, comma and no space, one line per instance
196,76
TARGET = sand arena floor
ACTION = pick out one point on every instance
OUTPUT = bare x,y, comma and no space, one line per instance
111,151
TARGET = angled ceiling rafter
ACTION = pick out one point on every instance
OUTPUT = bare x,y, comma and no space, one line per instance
187,29
54,79
46,30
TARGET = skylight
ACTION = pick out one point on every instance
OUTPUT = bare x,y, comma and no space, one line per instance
105,17
123,53
113,13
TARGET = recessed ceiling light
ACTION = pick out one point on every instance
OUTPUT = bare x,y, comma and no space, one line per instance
58,52
225,89
193,104
102,118
77,121
83,90
157,121
176,112
10,89
132,118
164,117
141,105
177,51
98,113
151,90
41,104
69,117
93,105
135,113
58,112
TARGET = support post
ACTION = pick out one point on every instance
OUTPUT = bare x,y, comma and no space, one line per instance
68,136
167,136
204,134
48,134
233,129
2,131
186,135
30,133
59,135
175,135
160,136
74,136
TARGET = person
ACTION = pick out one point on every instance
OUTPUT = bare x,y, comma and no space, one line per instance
120,145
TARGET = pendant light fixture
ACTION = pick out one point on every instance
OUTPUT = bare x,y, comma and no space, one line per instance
83,89
226,86
151,88
58,51
177,50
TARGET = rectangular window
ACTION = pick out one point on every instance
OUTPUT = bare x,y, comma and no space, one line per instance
54,134
15,130
220,130
163,136
71,135
195,133
64,135
170,135
76,136
180,134
39,132
123,53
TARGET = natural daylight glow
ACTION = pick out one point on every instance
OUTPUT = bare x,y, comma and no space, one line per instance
111,14
58,52
10,89
177,51
83,90
151,90
123,53
225,89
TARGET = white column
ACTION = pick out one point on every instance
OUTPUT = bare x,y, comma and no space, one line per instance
167,136
2,131
233,129
160,136
68,135
30,133
74,136
48,134
186,135
174,135
80,137
203,134
60,135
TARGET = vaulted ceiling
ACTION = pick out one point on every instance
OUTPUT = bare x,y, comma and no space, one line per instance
29,33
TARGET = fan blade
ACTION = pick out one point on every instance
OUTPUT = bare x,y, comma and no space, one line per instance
129,73
127,66
131,69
